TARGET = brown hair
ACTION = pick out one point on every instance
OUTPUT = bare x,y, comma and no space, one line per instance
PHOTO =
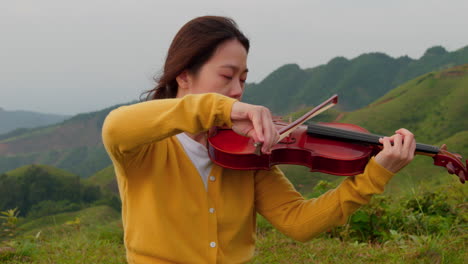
192,46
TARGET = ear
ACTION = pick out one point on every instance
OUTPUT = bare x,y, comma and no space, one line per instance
183,80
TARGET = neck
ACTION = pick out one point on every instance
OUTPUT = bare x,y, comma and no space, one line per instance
360,137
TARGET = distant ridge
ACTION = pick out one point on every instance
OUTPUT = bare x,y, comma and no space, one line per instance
357,81
11,120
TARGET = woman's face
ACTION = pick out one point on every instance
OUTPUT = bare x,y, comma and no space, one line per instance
224,73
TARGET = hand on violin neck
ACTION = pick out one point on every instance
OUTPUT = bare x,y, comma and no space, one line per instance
398,150
256,122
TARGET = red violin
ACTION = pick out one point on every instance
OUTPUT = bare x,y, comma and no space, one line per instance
333,148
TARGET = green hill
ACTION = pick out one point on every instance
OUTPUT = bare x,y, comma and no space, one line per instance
358,81
432,106
11,120
105,179
39,190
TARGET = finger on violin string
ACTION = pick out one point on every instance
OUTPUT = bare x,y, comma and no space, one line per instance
409,143
404,132
386,143
397,142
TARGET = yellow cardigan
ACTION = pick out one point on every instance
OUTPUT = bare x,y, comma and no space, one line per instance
169,216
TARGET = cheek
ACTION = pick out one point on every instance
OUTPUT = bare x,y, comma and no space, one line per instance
214,84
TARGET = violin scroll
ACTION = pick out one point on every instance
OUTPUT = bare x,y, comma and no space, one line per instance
452,162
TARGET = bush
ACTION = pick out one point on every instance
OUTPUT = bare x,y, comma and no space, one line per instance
49,207
425,214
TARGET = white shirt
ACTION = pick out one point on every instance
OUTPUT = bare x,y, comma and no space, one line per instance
198,154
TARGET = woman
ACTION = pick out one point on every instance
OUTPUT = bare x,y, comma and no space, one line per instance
179,207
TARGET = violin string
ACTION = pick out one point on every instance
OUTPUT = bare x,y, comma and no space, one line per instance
343,133
368,138
360,136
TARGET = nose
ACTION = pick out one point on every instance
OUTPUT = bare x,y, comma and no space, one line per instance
237,89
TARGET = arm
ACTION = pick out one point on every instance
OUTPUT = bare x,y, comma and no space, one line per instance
129,128
278,201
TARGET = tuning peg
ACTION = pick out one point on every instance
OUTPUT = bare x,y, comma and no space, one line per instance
443,147
450,168
462,176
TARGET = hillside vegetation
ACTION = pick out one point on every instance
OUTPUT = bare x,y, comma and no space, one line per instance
358,81
39,190
74,145
433,106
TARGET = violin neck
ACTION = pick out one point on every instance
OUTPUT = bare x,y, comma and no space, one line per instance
360,137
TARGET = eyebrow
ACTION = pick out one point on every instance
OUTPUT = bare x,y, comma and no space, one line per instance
234,67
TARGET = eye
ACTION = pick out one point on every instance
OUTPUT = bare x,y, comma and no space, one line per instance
227,77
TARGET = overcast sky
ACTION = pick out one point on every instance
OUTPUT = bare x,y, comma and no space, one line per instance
69,57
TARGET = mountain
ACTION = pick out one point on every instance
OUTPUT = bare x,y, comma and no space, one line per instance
439,100
74,145
11,120
433,106
358,81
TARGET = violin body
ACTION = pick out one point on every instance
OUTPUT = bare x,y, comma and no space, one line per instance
319,154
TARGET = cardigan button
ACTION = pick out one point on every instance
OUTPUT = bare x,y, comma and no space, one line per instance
212,210
213,244
212,178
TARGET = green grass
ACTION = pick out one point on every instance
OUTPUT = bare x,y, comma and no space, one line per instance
89,216
274,247
102,243
96,238
67,244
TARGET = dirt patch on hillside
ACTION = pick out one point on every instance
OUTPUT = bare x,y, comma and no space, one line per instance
382,102
454,72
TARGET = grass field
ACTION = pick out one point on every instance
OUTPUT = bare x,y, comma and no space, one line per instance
103,244
95,235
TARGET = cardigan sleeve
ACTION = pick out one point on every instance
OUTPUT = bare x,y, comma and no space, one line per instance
128,129
301,219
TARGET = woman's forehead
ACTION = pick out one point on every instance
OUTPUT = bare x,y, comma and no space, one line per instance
230,54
